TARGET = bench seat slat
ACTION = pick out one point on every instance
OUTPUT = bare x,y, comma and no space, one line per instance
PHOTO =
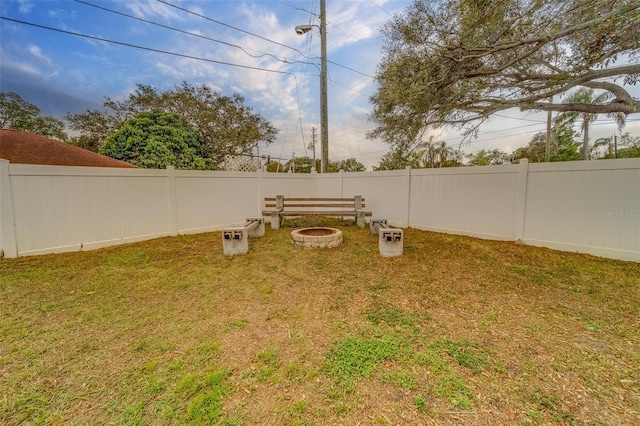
311,206
317,213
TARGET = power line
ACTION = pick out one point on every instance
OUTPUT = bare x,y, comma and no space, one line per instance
181,31
352,70
259,36
298,8
231,26
135,46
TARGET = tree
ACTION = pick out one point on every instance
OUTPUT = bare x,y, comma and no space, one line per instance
489,158
624,146
564,147
425,154
155,140
398,159
18,114
274,166
457,62
94,128
348,165
299,165
586,96
226,125
628,146
434,154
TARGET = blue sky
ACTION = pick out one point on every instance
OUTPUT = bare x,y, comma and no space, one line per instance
63,73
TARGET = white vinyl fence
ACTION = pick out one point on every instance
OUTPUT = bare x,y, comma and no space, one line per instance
583,206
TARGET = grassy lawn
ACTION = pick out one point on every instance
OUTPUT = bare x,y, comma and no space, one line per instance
456,331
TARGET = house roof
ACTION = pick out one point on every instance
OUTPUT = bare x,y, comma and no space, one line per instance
27,148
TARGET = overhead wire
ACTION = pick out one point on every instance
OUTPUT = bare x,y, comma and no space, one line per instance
150,49
231,26
205,38
303,54
306,56
227,63
181,31
105,40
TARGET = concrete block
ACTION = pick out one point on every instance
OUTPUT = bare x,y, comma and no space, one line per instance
390,242
235,241
360,219
255,226
275,220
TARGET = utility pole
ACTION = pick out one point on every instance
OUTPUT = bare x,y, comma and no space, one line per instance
312,146
547,148
324,114
615,146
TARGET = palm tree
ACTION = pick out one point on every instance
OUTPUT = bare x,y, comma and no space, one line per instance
432,154
586,96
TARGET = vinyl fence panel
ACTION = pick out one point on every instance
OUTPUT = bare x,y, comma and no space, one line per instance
591,206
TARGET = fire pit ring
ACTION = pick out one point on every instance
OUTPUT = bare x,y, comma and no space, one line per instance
318,237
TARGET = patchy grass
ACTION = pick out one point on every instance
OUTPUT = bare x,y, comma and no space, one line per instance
456,331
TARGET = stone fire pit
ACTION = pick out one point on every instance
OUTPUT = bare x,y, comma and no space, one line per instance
317,237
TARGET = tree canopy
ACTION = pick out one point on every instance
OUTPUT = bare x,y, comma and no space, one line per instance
18,114
426,154
563,147
348,165
624,146
304,165
586,96
155,140
457,62
492,157
226,125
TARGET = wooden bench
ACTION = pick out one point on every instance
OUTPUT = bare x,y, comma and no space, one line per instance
282,206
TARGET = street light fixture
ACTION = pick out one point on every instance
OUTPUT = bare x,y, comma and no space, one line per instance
302,29
324,114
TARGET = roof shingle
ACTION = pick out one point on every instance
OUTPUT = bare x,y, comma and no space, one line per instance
27,148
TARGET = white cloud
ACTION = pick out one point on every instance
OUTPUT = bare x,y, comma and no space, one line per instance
150,9
36,52
25,6
9,63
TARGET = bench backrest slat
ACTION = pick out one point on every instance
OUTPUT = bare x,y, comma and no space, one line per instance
346,205
312,199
